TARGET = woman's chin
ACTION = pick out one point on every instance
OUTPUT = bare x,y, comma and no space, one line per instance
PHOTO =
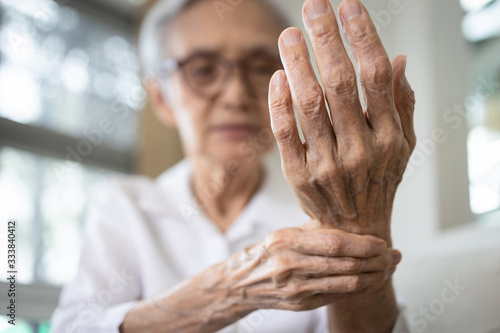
242,154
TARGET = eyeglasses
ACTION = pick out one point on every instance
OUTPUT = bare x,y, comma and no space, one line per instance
208,72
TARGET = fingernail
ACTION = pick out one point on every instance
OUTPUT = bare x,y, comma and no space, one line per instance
396,257
403,70
279,78
291,36
380,249
351,8
316,8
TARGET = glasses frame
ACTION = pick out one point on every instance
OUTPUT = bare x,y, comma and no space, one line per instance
170,65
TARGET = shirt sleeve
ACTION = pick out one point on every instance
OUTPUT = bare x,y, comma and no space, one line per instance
400,326
107,282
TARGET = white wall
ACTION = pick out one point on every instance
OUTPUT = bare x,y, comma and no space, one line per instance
432,202
426,31
432,211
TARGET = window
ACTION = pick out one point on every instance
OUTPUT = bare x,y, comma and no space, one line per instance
74,67
70,93
481,26
481,21
483,142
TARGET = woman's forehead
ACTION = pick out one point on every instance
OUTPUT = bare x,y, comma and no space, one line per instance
180,48
248,27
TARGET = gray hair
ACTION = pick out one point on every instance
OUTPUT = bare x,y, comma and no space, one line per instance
163,12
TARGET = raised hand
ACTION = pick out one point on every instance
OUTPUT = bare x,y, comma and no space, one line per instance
347,171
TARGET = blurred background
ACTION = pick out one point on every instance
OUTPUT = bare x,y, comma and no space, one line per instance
73,113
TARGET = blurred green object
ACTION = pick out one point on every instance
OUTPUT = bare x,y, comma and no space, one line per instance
20,327
23,327
44,327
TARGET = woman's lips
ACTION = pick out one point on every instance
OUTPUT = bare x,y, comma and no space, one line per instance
235,130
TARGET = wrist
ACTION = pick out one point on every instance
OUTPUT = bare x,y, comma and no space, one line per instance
378,310
373,218
203,303
380,229
382,232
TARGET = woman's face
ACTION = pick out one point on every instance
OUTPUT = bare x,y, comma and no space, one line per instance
234,123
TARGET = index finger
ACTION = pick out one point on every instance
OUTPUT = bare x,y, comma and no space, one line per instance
336,71
374,66
338,243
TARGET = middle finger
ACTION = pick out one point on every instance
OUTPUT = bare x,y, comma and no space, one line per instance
336,70
307,94
315,267
374,66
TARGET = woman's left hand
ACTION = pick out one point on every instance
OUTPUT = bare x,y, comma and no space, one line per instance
347,171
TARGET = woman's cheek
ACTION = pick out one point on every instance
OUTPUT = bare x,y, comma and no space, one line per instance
188,132
189,114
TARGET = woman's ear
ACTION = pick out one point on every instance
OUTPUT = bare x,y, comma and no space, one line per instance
160,104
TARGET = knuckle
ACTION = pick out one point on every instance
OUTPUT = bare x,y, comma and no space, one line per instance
411,96
283,132
335,244
323,36
390,140
273,241
342,84
324,173
281,273
302,184
293,173
353,283
378,73
360,34
295,60
293,291
281,264
351,265
298,307
310,102
279,103
279,239
357,158
413,142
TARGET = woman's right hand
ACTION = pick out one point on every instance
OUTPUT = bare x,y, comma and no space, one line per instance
304,268
294,269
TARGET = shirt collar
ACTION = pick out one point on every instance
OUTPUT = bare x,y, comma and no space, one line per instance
271,206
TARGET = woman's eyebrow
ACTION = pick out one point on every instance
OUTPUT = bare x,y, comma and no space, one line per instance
262,49
254,50
204,50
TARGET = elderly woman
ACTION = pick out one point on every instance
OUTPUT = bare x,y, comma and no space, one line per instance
218,243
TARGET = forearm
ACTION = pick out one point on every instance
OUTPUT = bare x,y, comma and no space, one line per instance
378,311
375,313
200,304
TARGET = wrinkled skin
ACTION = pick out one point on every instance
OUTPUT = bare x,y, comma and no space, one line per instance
301,269
347,171
293,269
344,175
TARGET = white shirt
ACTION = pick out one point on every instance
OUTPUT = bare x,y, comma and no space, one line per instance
145,236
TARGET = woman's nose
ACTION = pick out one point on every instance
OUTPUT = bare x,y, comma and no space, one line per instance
237,90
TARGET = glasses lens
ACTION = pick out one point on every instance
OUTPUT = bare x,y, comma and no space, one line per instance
204,73
207,73
260,70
